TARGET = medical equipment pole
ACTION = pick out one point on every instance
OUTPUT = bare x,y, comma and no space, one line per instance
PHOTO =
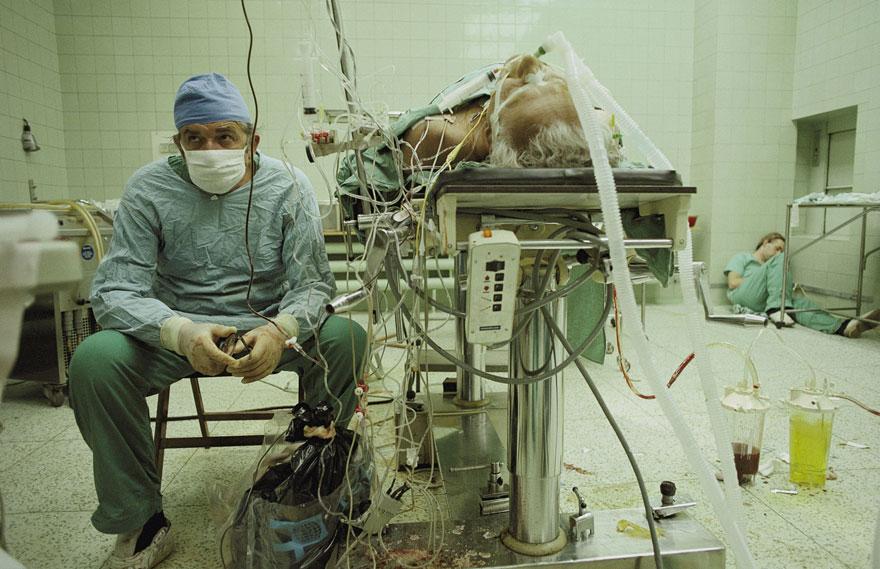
470,390
861,262
785,265
347,67
535,441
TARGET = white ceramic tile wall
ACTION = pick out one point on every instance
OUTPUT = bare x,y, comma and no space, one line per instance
837,65
744,141
122,61
30,88
703,136
716,84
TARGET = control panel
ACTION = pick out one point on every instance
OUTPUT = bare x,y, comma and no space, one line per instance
493,277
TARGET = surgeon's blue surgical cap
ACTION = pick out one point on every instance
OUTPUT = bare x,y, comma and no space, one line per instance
209,98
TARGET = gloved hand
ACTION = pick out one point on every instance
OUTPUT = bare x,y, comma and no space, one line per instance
267,345
198,343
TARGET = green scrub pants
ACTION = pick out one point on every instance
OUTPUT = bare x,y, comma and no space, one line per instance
110,376
762,292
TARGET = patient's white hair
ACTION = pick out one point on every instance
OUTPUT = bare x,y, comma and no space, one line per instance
560,145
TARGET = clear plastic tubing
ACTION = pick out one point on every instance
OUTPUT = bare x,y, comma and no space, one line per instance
720,429
467,88
614,227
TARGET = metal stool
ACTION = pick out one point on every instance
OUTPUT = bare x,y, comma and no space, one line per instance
206,440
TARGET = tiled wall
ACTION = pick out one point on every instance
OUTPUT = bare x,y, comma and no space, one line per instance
122,60
715,84
837,65
30,88
703,147
744,141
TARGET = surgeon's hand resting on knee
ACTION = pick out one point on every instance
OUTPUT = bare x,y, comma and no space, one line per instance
267,345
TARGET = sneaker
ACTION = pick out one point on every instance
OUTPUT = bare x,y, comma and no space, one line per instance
126,555
787,320
856,328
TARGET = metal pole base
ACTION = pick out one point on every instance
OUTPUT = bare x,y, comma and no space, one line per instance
534,549
467,404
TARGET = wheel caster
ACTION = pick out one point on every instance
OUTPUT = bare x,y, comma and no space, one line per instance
55,394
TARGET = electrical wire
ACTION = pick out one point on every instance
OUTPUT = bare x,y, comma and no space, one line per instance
501,379
649,513
253,168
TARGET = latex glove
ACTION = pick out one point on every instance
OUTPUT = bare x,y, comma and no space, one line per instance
267,345
197,342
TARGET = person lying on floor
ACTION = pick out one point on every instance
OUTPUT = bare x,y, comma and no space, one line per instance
754,280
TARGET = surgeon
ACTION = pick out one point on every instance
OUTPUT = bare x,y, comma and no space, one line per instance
754,280
175,284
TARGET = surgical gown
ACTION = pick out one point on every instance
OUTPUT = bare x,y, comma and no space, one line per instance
179,250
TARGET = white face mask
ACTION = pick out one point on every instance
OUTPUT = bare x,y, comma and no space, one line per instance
216,171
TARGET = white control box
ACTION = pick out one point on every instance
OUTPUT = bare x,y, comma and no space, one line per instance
493,278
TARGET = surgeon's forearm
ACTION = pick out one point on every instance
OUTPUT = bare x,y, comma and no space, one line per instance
132,314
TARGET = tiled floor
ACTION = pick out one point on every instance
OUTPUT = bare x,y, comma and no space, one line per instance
46,480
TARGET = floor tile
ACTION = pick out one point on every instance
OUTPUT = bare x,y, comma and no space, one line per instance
56,540
813,529
26,416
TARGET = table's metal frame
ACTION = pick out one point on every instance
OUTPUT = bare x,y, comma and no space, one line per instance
863,256
534,443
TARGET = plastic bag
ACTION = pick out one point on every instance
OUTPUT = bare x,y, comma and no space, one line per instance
292,505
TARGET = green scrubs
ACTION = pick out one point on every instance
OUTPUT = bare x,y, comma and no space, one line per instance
761,291
112,373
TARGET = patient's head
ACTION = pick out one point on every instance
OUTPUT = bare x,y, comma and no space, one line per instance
533,119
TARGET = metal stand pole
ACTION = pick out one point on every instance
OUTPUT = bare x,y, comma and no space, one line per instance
535,441
861,262
470,390
786,263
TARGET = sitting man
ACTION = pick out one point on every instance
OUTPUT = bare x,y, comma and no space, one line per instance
175,283
754,280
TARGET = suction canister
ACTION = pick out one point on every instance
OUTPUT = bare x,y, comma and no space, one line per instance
811,419
746,411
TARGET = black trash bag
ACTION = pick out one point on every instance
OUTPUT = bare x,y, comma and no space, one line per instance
292,514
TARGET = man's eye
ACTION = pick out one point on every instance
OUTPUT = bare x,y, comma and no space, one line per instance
193,138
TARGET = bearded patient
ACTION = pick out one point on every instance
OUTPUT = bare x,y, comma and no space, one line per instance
529,121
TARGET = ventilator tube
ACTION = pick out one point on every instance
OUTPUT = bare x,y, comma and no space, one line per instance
720,429
614,228
460,93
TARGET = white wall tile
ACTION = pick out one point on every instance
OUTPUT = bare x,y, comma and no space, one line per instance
30,87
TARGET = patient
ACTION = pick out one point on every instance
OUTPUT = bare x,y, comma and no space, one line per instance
754,280
529,121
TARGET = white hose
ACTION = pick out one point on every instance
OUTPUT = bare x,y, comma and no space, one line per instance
614,229
720,431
